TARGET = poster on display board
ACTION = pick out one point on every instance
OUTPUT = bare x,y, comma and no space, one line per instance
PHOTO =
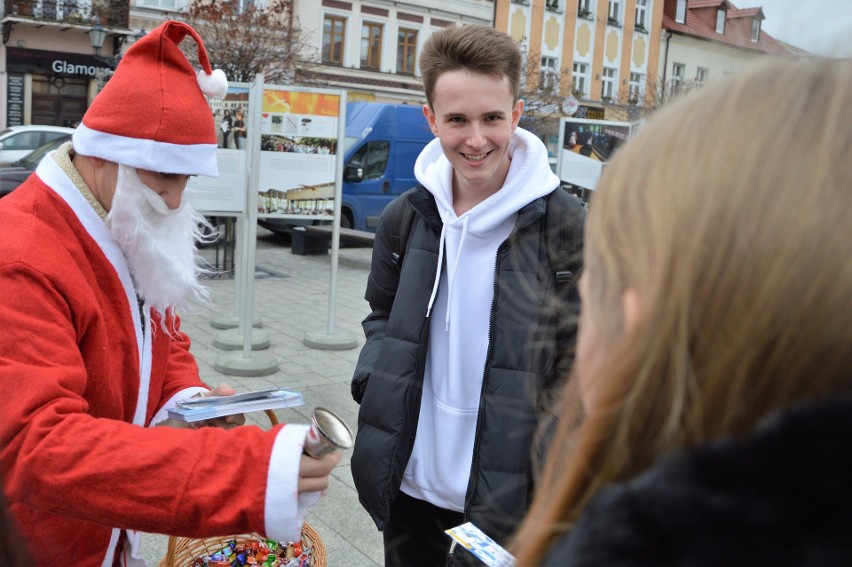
299,141
226,193
586,145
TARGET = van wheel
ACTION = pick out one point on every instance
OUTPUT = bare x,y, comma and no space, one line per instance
345,220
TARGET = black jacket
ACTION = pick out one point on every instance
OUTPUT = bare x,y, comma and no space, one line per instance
780,497
528,358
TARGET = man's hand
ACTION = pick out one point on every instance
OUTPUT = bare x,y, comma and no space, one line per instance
227,422
313,472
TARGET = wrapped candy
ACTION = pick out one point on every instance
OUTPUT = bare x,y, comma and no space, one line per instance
262,553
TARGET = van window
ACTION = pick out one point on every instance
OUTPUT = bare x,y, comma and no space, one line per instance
372,157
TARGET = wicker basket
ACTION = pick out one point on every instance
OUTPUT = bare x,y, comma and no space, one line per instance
182,551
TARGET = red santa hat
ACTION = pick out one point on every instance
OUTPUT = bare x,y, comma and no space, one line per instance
152,113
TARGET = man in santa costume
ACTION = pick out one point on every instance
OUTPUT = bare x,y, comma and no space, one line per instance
97,251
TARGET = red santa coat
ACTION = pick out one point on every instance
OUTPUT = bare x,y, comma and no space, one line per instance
82,381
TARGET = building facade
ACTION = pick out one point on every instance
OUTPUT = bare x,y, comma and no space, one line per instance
371,47
706,40
617,58
598,51
50,71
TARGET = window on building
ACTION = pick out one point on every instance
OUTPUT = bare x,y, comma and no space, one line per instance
243,5
701,76
641,14
680,12
552,4
579,80
608,83
636,88
678,73
371,45
333,36
614,12
755,29
584,8
548,78
164,4
406,55
721,14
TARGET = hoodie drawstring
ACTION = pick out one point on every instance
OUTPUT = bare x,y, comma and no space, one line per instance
438,269
450,280
454,272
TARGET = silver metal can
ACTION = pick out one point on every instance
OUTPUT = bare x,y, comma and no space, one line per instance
328,433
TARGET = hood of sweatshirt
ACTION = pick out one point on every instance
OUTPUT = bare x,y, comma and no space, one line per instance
529,178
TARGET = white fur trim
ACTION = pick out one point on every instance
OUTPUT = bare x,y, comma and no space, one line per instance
285,508
53,176
213,85
163,157
163,413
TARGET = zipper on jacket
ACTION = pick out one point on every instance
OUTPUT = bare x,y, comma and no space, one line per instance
421,347
474,470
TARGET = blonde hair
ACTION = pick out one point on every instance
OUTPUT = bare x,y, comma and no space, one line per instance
729,216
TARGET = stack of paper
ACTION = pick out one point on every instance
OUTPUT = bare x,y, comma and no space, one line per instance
199,409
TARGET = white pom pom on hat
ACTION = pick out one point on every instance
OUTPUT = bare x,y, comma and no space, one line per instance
213,85
152,113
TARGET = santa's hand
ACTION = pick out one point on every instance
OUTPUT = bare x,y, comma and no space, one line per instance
226,422
313,472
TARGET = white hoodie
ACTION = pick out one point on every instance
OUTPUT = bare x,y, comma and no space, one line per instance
439,467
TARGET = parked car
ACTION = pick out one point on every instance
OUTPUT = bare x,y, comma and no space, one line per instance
12,175
18,141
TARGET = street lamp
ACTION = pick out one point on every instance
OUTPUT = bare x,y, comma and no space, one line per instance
97,35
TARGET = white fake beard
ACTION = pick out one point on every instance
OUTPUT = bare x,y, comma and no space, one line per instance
159,243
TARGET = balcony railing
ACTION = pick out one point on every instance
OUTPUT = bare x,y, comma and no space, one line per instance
106,12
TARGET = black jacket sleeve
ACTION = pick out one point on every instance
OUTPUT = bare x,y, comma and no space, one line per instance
381,291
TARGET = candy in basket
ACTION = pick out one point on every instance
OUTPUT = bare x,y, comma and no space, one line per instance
260,552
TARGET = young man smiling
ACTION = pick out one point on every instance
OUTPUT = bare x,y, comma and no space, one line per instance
470,332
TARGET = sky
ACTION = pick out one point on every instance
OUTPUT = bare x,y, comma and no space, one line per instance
823,27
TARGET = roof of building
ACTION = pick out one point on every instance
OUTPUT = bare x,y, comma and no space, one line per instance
328,75
705,3
746,13
734,35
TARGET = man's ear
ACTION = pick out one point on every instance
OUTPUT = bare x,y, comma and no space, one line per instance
517,111
430,118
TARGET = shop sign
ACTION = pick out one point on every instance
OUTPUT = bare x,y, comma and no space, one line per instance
54,63
62,67
15,100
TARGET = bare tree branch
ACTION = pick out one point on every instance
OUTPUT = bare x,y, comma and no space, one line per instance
246,40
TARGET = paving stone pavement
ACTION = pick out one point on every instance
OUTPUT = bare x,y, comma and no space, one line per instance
291,299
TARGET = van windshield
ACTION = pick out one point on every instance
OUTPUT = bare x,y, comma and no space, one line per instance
348,142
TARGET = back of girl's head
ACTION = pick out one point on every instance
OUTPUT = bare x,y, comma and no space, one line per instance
729,214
